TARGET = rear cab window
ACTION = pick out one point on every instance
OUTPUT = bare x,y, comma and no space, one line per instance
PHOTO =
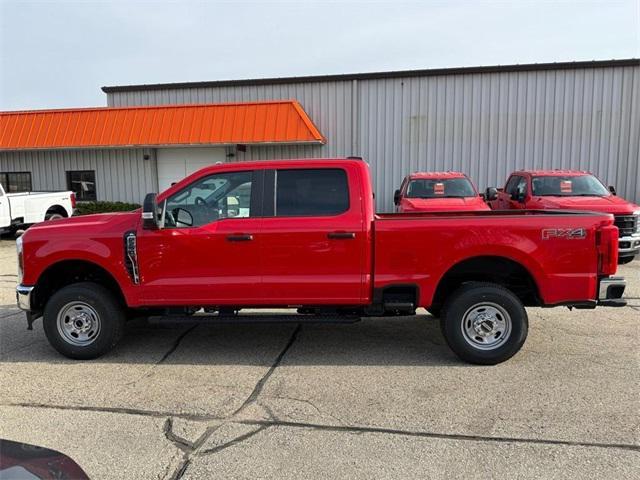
312,192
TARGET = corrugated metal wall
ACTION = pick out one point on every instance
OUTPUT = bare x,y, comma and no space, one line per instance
485,124
121,174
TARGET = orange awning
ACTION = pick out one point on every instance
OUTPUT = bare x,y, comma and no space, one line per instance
277,122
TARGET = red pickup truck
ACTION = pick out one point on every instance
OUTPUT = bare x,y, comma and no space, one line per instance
572,190
304,234
438,192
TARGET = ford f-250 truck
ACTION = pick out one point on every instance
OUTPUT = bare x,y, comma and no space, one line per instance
438,192
574,190
26,208
304,234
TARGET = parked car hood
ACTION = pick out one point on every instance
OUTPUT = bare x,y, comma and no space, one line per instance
443,204
611,204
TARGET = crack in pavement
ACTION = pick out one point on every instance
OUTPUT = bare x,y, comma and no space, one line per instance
442,436
182,443
235,441
191,450
261,383
174,346
118,410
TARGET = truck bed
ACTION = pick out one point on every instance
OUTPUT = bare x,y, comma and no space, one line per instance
556,247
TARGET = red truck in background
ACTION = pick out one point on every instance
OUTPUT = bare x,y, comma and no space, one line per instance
571,190
438,192
304,234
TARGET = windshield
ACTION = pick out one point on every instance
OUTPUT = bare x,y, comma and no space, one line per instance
568,186
440,188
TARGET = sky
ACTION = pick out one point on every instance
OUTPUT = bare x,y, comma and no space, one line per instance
57,54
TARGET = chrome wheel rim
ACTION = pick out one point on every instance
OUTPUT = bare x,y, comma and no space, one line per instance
55,216
78,323
486,326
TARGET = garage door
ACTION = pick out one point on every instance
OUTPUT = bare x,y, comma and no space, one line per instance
176,163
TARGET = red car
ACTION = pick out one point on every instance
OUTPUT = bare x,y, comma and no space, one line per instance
438,192
304,234
571,190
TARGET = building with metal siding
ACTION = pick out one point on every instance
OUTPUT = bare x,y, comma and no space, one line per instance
485,121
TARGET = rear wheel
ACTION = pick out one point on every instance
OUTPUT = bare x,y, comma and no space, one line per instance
484,323
83,321
53,216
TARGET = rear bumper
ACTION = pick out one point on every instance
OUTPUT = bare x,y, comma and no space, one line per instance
23,297
610,291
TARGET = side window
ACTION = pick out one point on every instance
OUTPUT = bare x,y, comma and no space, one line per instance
83,184
311,192
521,188
510,188
218,196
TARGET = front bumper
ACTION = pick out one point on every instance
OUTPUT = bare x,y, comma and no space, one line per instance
23,297
610,291
628,246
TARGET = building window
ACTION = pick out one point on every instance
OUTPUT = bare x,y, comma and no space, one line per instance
83,184
14,182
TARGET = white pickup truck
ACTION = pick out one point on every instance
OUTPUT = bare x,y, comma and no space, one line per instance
26,208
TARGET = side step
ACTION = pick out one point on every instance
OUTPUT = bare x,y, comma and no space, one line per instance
255,318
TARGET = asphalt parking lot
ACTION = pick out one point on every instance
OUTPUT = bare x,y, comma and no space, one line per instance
377,398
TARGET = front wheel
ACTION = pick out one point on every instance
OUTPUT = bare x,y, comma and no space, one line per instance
83,320
484,323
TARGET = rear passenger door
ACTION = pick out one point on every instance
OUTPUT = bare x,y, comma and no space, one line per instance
313,238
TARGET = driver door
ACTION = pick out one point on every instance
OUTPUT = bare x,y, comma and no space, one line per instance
207,252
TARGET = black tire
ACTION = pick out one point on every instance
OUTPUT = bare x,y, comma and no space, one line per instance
110,313
482,296
625,260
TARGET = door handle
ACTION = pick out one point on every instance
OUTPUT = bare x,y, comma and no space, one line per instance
240,237
341,235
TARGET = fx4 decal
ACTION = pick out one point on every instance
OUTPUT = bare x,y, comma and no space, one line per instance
568,233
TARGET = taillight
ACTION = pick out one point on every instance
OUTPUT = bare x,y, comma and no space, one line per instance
73,200
20,253
607,242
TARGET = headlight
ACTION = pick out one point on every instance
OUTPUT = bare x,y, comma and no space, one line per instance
637,214
20,258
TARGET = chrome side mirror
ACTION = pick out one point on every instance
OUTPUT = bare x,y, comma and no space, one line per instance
612,189
491,194
396,197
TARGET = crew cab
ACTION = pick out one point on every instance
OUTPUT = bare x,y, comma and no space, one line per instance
438,192
26,208
574,190
304,234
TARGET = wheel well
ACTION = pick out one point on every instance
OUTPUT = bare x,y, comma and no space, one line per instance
67,272
503,271
57,209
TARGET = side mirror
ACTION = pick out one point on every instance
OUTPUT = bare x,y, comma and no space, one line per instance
150,220
396,197
491,194
520,197
612,189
